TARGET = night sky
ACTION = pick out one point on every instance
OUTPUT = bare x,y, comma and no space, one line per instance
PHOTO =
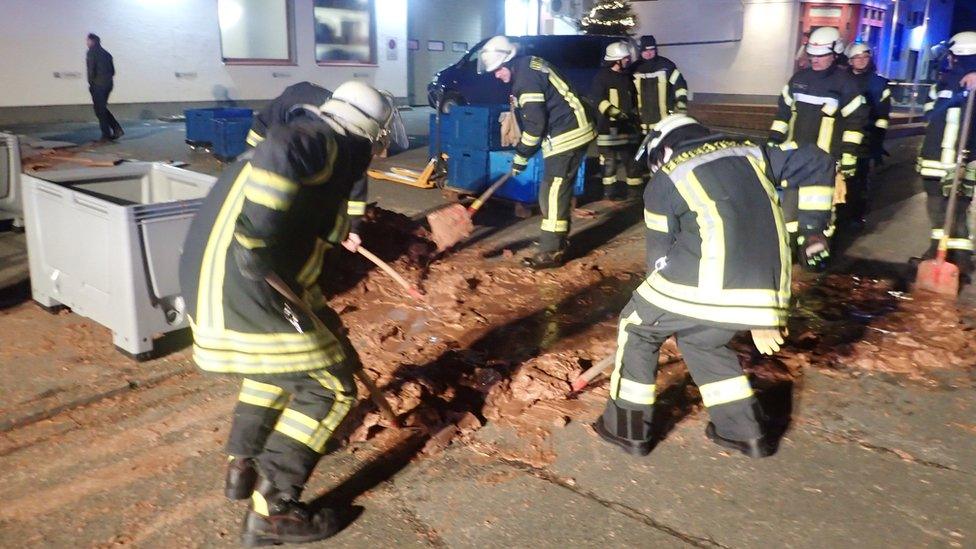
964,16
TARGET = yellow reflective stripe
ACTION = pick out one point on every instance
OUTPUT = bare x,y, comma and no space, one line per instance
331,152
555,226
614,97
793,226
780,126
725,391
282,342
635,181
531,97
310,271
885,94
732,297
680,92
959,244
610,180
938,233
662,96
674,77
210,308
852,106
826,135
263,395
249,242
272,180
530,140
656,222
570,98
711,268
238,363
618,358
253,138
848,159
551,222
638,393
259,504
787,98
932,172
568,141
855,137
341,405
816,198
950,136
747,316
520,160
341,228
881,123
928,106
785,251
356,207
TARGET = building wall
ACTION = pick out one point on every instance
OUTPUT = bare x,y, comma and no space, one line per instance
153,40
448,21
727,49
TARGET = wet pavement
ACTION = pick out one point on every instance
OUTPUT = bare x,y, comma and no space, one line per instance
874,392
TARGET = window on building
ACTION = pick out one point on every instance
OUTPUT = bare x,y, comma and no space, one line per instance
345,32
255,31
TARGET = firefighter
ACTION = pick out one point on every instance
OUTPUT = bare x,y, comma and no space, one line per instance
937,159
276,214
300,100
718,257
822,105
877,95
618,134
661,88
555,118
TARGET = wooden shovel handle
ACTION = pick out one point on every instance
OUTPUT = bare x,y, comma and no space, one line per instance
480,201
413,291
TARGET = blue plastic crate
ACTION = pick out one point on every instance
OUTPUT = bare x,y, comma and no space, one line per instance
230,135
446,129
525,186
476,126
199,122
467,169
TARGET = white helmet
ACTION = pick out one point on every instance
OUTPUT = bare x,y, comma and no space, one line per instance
617,51
367,112
963,43
824,41
496,52
857,48
661,130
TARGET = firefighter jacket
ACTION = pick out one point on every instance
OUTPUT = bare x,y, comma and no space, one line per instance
661,90
824,108
614,95
279,111
278,212
554,117
944,112
877,96
717,245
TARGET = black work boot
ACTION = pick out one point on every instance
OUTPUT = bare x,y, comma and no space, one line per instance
627,429
635,192
545,260
242,474
754,447
614,192
277,517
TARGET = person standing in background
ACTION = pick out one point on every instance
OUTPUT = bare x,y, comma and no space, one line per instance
101,72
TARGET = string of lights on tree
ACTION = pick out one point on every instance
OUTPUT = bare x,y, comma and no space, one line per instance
612,17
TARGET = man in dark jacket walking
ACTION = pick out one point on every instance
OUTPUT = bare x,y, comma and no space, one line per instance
101,71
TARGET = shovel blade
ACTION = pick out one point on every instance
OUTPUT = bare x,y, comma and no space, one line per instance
939,277
449,225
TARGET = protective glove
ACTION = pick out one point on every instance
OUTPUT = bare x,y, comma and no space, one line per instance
848,165
518,165
768,340
352,242
814,251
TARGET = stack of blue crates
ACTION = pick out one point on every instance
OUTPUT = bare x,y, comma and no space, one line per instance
471,139
222,128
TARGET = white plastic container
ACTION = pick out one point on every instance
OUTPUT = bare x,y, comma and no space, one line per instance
10,193
106,243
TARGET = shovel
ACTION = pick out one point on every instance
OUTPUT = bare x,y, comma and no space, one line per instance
279,285
452,224
411,290
938,275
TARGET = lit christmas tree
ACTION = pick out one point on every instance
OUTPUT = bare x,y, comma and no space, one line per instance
614,17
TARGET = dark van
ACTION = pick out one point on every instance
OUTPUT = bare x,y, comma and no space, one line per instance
577,57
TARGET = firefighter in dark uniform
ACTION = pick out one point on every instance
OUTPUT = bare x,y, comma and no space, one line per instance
877,95
661,88
555,118
277,213
937,159
822,105
618,133
298,100
718,257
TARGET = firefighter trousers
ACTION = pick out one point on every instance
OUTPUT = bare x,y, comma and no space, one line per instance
611,159
960,242
714,367
555,197
285,420
856,201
